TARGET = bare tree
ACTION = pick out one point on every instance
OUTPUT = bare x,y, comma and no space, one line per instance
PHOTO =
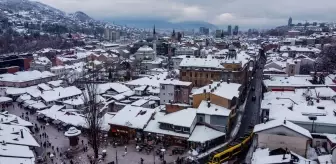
327,59
92,115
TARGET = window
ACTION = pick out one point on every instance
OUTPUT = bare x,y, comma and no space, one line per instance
212,75
163,87
190,74
185,129
206,75
195,74
178,128
183,73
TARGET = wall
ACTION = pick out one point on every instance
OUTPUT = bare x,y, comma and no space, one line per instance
199,78
296,144
167,93
170,108
219,122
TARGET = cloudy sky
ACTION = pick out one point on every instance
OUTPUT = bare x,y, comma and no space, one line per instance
245,13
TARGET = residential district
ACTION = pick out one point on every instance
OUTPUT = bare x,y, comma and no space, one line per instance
221,97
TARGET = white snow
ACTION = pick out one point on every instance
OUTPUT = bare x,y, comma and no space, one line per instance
281,80
44,86
59,93
11,119
184,118
223,89
25,76
201,63
285,123
11,135
5,99
118,87
133,117
56,83
213,109
203,133
140,102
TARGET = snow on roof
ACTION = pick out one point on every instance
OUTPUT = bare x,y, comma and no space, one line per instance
126,51
11,150
175,82
203,133
44,86
123,95
118,87
183,118
145,48
34,92
75,101
11,134
151,80
285,123
105,120
139,102
56,83
25,76
262,156
213,109
6,160
299,49
18,91
133,117
38,105
12,119
68,116
59,93
281,80
222,89
154,126
5,99
201,62
325,159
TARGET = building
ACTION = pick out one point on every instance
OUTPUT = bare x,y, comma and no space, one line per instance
145,53
8,62
213,115
204,30
175,91
176,60
218,33
41,64
50,97
188,51
229,30
290,22
235,30
220,93
283,134
111,35
26,78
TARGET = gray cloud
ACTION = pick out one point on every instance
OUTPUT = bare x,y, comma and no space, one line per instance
246,13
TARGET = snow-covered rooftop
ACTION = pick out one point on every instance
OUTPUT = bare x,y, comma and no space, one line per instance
203,133
59,93
118,87
201,63
283,80
284,123
133,117
222,89
212,110
11,134
25,76
184,118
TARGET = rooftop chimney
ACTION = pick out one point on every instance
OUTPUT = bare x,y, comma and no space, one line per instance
209,103
21,131
284,121
209,86
228,81
283,157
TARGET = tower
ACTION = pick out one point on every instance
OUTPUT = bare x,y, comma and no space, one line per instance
290,21
229,30
154,42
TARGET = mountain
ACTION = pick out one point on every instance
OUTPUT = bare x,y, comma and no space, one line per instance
161,24
81,16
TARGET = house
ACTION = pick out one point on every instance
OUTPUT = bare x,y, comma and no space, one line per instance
60,94
283,134
41,64
26,78
175,91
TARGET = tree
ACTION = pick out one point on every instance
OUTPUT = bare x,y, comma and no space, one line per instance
327,60
305,69
92,116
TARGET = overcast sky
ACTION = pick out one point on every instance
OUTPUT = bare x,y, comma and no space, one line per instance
245,13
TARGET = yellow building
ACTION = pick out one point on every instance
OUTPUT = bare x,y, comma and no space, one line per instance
221,93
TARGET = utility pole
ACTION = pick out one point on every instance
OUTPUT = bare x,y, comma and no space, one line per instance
116,157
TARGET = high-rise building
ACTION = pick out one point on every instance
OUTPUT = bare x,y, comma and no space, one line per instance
204,30
290,21
218,33
111,35
235,30
229,30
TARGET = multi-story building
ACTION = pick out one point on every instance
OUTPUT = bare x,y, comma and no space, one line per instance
204,30
188,51
175,91
229,30
201,71
41,64
111,35
145,53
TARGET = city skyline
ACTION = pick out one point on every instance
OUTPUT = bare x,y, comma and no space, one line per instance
219,13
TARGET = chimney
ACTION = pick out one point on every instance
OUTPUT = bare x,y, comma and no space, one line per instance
228,81
204,90
285,122
211,81
21,131
209,86
209,104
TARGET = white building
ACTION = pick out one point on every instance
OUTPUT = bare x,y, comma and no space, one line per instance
145,53
178,59
188,51
283,134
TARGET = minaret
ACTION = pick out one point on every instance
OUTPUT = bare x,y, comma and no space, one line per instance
154,42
